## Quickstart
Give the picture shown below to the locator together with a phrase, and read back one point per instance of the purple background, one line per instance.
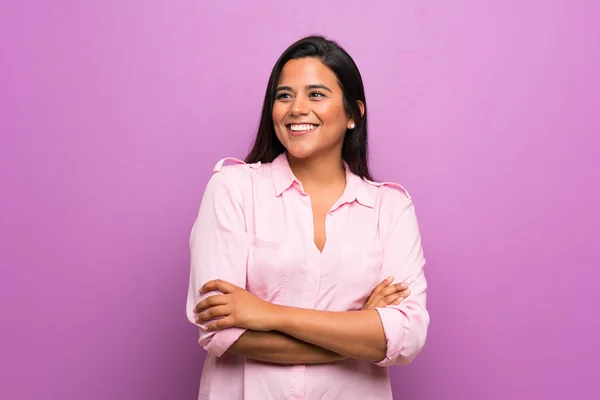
(112, 114)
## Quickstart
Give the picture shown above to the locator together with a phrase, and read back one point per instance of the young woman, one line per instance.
(290, 245)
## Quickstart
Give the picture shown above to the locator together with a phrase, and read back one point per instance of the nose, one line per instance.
(300, 106)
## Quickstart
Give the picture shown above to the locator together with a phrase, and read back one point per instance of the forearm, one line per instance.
(279, 348)
(354, 334)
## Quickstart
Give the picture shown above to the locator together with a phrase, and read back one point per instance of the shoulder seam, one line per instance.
(233, 186)
(392, 185)
(219, 165)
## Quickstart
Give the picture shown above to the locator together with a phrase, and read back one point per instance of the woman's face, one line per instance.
(308, 112)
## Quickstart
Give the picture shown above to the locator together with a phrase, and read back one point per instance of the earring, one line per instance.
(352, 126)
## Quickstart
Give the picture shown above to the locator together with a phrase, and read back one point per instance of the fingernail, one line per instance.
(407, 293)
(389, 278)
(397, 301)
(404, 285)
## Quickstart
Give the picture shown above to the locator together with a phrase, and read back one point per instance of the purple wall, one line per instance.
(112, 114)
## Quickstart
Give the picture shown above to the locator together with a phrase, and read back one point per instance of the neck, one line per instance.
(318, 170)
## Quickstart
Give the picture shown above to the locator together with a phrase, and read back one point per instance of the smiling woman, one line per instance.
(310, 119)
(307, 277)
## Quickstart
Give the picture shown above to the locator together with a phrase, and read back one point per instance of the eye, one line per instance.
(283, 96)
(317, 94)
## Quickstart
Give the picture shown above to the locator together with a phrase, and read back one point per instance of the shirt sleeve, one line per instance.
(405, 325)
(218, 248)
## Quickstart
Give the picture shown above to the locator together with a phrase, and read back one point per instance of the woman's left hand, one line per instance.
(235, 307)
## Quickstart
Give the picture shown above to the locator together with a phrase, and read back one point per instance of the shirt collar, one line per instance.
(283, 177)
(356, 188)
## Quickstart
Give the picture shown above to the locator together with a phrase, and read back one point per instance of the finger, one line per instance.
(227, 322)
(397, 298)
(398, 287)
(210, 301)
(382, 285)
(392, 299)
(375, 295)
(386, 301)
(212, 313)
(218, 284)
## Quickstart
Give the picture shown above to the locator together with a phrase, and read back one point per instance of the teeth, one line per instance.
(303, 127)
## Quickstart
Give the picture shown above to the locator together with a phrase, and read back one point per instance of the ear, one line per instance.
(361, 105)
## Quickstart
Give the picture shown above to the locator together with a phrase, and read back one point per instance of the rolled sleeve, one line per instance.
(405, 325)
(393, 327)
(220, 341)
(218, 250)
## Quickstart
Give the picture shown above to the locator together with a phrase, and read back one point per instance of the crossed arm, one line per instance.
(309, 344)
(248, 326)
(284, 335)
(278, 348)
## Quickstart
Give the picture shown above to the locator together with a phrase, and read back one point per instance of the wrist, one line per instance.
(277, 320)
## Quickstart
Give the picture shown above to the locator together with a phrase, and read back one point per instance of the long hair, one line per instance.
(354, 149)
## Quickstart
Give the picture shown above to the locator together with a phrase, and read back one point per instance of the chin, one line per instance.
(299, 153)
(299, 148)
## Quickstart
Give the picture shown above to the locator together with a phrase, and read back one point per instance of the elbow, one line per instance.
(411, 350)
(216, 343)
(406, 358)
(403, 361)
(405, 341)
(414, 342)
(204, 337)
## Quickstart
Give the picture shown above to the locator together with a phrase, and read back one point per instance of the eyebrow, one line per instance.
(308, 87)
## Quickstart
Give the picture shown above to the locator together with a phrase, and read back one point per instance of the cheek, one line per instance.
(331, 113)
(334, 117)
(278, 113)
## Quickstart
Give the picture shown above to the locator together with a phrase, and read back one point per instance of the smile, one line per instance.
(301, 129)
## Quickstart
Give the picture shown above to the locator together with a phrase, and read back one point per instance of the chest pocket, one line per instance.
(270, 264)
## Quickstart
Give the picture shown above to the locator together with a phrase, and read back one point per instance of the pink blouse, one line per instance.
(255, 230)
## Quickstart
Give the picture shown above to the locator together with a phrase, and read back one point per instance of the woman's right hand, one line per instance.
(384, 295)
